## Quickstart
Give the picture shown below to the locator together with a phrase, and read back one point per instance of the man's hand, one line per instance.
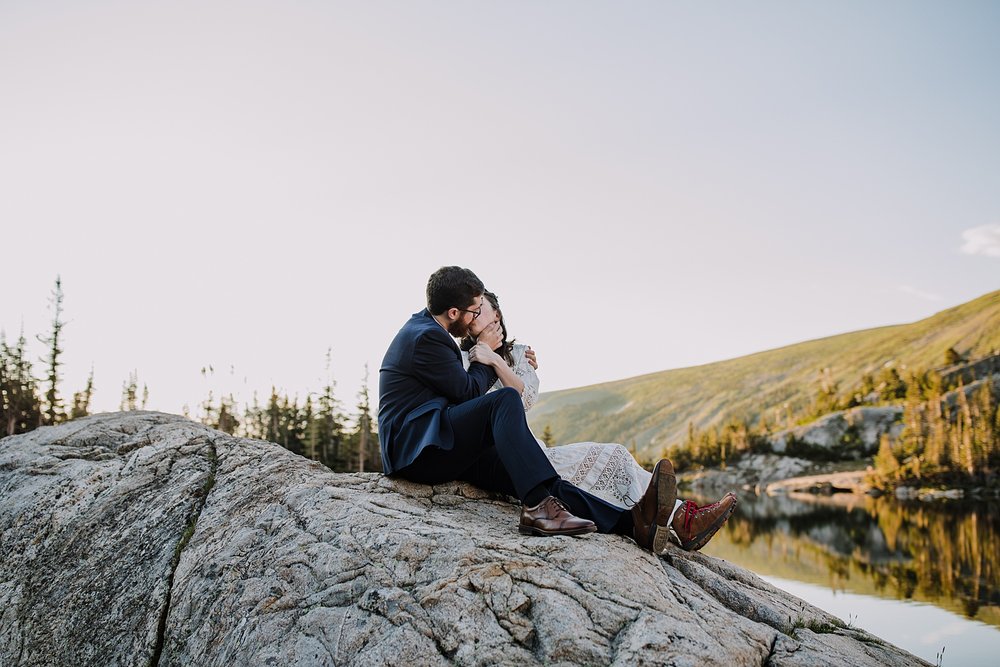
(482, 353)
(531, 357)
(491, 336)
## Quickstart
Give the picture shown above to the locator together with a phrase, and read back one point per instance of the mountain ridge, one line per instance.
(652, 411)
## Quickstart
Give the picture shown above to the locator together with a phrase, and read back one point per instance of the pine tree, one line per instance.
(738, 436)
(967, 454)
(994, 455)
(288, 425)
(3, 385)
(913, 420)
(826, 395)
(296, 426)
(311, 430)
(130, 393)
(890, 385)
(6, 386)
(272, 431)
(886, 463)
(365, 439)
(330, 429)
(759, 434)
(952, 357)
(224, 417)
(81, 399)
(21, 406)
(547, 437)
(281, 421)
(984, 440)
(867, 386)
(723, 445)
(955, 440)
(329, 424)
(255, 422)
(712, 449)
(54, 412)
(936, 441)
(229, 421)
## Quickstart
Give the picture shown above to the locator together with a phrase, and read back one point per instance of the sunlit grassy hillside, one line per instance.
(653, 411)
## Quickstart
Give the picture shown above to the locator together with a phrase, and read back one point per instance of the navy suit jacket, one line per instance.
(421, 375)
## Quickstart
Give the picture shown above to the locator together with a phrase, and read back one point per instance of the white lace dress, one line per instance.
(607, 470)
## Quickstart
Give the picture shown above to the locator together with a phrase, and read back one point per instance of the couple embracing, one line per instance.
(450, 411)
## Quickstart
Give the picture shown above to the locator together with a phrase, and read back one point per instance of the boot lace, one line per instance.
(690, 509)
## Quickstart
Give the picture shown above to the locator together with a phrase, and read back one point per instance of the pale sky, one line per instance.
(646, 185)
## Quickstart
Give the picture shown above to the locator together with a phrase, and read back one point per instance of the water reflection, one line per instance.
(944, 554)
(934, 634)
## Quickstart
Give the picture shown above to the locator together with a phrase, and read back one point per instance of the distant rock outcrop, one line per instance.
(144, 538)
(751, 472)
(857, 431)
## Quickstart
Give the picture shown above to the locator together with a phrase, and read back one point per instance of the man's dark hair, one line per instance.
(452, 287)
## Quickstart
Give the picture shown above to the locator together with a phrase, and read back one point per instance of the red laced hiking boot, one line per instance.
(694, 526)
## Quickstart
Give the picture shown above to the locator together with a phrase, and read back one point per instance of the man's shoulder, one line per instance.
(416, 322)
(422, 320)
(422, 327)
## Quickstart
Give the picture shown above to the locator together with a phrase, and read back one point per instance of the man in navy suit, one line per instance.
(437, 423)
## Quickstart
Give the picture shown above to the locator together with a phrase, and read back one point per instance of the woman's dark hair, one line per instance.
(506, 346)
(452, 287)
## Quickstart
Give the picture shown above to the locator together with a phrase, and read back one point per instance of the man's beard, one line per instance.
(459, 329)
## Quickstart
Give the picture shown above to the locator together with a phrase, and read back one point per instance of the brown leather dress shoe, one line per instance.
(694, 526)
(552, 517)
(651, 515)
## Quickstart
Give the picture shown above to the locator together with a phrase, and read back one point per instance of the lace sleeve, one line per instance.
(527, 374)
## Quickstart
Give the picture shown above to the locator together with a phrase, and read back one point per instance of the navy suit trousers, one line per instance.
(495, 450)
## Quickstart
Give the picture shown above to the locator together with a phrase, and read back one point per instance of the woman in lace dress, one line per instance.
(607, 470)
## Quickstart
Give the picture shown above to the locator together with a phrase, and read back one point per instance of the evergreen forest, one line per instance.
(950, 416)
(950, 435)
(317, 428)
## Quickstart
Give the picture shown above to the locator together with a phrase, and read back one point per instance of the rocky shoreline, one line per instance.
(774, 474)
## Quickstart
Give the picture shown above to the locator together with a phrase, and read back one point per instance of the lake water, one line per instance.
(925, 577)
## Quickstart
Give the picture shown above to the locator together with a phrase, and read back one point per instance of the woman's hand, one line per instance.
(532, 358)
(491, 336)
(482, 354)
